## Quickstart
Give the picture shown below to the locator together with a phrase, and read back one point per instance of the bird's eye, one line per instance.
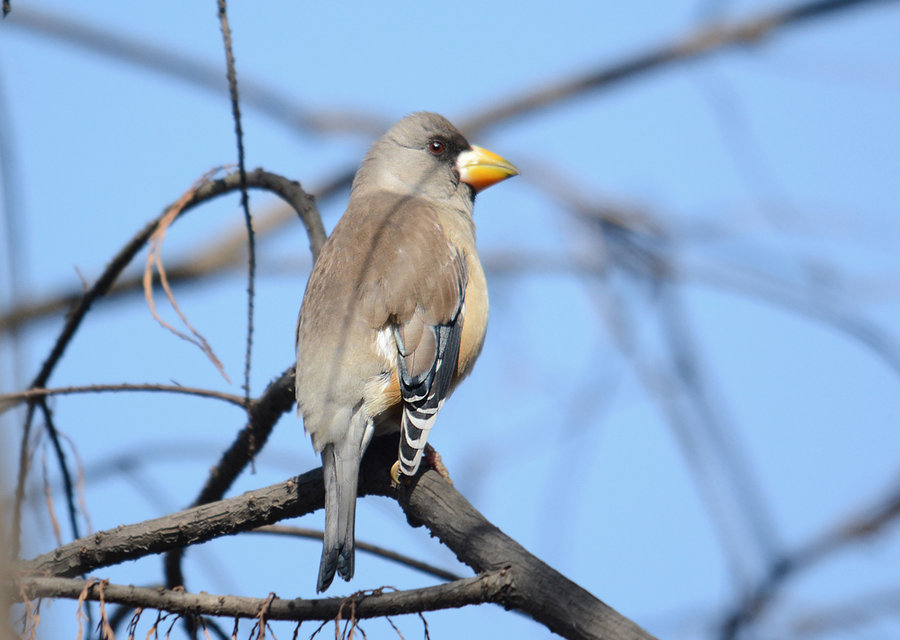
(436, 147)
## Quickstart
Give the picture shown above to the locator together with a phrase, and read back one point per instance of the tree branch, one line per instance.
(295, 497)
(488, 587)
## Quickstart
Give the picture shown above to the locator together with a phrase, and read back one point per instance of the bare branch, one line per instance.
(290, 191)
(295, 497)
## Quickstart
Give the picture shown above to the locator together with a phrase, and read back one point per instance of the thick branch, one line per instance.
(533, 587)
(295, 497)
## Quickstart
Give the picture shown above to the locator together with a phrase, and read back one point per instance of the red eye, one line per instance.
(436, 147)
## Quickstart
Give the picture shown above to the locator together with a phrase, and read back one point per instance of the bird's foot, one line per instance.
(433, 459)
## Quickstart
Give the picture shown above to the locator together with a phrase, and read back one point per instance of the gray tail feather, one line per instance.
(341, 476)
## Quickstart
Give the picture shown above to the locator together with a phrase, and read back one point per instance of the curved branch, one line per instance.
(288, 190)
(222, 254)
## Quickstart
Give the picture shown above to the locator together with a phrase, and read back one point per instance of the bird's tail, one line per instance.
(341, 469)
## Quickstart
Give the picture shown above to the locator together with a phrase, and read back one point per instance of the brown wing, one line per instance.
(416, 286)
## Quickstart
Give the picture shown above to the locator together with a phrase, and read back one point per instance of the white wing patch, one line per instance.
(387, 346)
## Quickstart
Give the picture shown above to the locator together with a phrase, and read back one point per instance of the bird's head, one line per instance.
(425, 155)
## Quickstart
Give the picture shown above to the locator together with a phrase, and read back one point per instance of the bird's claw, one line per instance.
(431, 457)
(395, 475)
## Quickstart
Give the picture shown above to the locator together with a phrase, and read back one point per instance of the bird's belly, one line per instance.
(476, 318)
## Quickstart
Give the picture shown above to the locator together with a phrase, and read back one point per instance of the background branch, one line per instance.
(703, 41)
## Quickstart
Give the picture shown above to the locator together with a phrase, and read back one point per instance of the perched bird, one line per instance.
(395, 310)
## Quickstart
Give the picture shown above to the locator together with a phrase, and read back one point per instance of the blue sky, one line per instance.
(771, 169)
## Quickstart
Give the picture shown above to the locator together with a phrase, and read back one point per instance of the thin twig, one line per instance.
(154, 258)
(9, 400)
(316, 534)
(68, 485)
(245, 197)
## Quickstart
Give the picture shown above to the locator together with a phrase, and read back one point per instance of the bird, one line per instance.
(394, 313)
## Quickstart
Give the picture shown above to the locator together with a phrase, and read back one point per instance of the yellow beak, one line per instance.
(481, 168)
